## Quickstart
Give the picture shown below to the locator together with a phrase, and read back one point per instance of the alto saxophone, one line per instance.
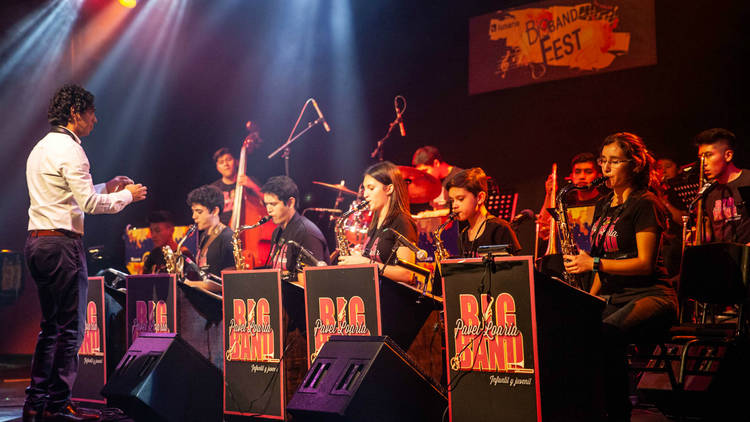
(567, 243)
(173, 259)
(342, 244)
(441, 253)
(170, 260)
(239, 259)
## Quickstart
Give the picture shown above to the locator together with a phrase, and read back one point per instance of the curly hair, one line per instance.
(283, 187)
(208, 196)
(642, 163)
(473, 180)
(69, 96)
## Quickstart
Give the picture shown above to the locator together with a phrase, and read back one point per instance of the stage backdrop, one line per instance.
(559, 39)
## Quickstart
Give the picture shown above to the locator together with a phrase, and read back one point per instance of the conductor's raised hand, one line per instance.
(138, 191)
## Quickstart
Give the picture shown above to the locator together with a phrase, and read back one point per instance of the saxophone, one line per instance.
(170, 260)
(342, 244)
(239, 259)
(173, 259)
(441, 253)
(567, 243)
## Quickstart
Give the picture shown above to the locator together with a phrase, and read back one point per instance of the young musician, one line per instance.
(628, 224)
(280, 196)
(583, 171)
(725, 207)
(385, 190)
(161, 226)
(227, 167)
(467, 191)
(429, 160)
(214, 238)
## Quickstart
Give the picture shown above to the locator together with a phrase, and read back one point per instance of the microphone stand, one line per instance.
(285, 148)
(379, 148)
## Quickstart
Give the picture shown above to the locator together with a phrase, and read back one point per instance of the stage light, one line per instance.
(128, 3)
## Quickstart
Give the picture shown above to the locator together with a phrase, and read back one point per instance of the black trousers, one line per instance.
(58, 267)
(642, 320)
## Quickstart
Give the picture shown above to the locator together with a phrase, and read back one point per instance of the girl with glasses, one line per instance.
(625, 237)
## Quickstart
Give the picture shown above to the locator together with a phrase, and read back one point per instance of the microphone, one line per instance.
(260, 222)
(687, 168)
(198, 270)
(523, 215)
(307, 254)
(400, 238)
(704, 190)
(400, 120)
(598, 181)
(320, 115)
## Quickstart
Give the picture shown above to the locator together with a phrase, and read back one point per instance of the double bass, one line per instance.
(248, 209)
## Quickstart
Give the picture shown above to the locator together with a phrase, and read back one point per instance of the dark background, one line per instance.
(173, 90)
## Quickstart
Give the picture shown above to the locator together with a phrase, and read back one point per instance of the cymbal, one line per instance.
(422, 186)
(340, 188)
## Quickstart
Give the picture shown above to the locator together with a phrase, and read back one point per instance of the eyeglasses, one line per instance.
(616, 162)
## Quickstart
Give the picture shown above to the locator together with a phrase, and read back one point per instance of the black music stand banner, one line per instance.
(342, 301)
(491, 341)
(151, 305)
(92, 356)
(253, 344)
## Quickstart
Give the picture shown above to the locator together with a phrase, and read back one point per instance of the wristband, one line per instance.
(381, 270)
(597, 261)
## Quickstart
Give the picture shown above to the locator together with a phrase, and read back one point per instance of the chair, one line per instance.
(700, 358)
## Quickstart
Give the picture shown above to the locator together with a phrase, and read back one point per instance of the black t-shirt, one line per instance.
(728, 213)
(613, 236)
(496, 231)
(379, 245)
(219, 255)
(228, 191)
(302, 231)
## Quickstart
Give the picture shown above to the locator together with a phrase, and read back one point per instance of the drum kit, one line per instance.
(421, 186)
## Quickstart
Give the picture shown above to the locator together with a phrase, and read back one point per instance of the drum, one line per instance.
(356, 225)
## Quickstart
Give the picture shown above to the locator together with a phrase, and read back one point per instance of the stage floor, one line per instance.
(14, 377)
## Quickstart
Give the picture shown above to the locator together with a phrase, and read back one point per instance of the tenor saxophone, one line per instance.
(342, 244)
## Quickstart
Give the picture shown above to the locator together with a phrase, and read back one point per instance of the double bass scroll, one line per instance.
(248, 209)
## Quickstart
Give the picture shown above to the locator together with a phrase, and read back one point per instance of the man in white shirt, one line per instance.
(60, 192)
